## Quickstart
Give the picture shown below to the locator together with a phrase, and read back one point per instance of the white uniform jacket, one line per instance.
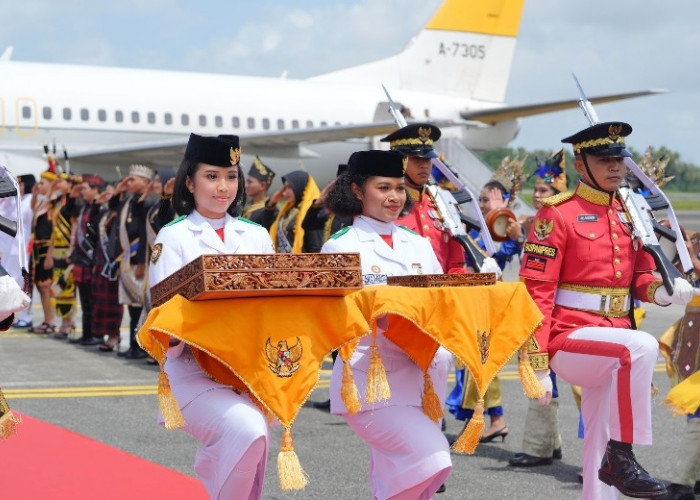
(180, 243)
(411, 254)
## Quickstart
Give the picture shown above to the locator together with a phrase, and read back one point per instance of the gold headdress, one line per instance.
(510, 175)
(655, 169)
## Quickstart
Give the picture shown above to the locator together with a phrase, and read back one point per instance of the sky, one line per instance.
(612, 47)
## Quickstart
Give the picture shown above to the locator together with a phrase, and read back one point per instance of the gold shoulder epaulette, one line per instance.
(557, 199)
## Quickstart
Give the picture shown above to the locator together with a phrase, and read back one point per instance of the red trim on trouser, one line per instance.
(608, 350)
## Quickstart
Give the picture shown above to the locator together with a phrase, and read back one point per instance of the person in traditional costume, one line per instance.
(409, 455)
(257, 182)
(209, 197)
(583, 265)
(299, 189)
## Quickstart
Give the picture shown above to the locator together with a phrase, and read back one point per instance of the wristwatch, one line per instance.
(521, 239)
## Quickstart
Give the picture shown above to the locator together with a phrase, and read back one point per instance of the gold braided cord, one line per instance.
(412, 141)
(602, 141)
(593, 195)
(596, 290)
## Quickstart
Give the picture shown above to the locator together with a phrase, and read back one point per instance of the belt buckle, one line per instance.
(617, 304)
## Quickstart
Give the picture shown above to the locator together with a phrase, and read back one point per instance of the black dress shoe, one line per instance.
(323, 405)
(680, 492)
(441, 489)
(135, 354)
(556, 454)
(525, 460)
(621, 470)
(90, 341)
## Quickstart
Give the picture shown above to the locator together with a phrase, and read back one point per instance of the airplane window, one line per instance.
(185, 119)
(218, 121)
(67, 115)
(309, 124)
(84, 114)
(280, 124)
(251, 122)
(336, 124)
(118, 116)
(46, 111)
(26, 112)
(102, 115)
(202, 121)
(168, 118)
(266, 123)
(324, 124)
(236, 122)
(151, 117)
(295, 123)
(135, 117)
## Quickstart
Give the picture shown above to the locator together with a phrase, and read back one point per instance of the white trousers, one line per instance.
(614, 367)
(406, 449)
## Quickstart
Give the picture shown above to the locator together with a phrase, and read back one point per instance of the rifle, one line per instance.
(10, 188)
(448, 207)
(645, 225)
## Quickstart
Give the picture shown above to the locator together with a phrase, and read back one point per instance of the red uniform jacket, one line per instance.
(584, 238)
(425, 220)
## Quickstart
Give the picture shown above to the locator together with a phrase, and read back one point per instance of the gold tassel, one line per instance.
(289, 472)
(172, 416)
(471, 435)
(8, 424)
(431, 401)
(377, 384)
(532, 386)
(348, 390)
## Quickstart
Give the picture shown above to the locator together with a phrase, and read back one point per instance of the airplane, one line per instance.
(455, 71)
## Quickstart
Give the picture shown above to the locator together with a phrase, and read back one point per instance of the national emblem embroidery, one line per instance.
(483, 340)
(156, 252)
(283, 359)
(543, 228)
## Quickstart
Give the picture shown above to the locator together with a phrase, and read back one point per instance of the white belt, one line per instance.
(613, 305)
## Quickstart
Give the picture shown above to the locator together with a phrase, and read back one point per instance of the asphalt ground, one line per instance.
(113, 400)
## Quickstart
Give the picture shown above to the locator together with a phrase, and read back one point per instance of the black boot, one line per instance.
(621, 470)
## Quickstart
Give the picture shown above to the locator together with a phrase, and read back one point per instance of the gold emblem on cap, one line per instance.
(235, 156)
(405, 164)
(424, 133)
(259, 165)
(614, 131)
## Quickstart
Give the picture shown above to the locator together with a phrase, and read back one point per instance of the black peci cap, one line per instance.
(416, 139)
(375, 162)
(602, 139)
(260, 171)
(221, 151)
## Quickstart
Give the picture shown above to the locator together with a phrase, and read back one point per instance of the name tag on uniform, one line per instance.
(588, 218)
(374, 279)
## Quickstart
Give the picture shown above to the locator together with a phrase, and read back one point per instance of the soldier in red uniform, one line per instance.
(583, 267)
(416, 142)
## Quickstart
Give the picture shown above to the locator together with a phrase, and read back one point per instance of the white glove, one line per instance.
(546, 381)
(12, 298)
(683, 293)
(491, 266)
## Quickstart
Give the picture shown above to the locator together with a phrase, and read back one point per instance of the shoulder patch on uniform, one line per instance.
(555, 200)
(338, 234)
(248, 221)
(409, 230)
(173, 222)
(156, 252)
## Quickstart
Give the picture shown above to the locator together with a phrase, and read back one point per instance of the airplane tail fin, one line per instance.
(465, 50)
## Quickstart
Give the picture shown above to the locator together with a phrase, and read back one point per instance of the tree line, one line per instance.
(687, 175)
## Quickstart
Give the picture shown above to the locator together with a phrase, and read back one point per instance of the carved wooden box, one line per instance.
(222, 276)
(433, 280)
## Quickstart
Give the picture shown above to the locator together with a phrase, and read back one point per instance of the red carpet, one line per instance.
(43, 461)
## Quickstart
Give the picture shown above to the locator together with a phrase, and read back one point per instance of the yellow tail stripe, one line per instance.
(490, 17)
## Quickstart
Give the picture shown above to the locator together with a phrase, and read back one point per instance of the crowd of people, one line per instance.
(580, 261)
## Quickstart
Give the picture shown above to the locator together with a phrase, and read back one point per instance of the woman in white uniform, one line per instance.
(209, 195)
(410, 460)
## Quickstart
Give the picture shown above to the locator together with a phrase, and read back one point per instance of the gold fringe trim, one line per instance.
(172, 416)
(289, 472)
(348, 390)
(532, 387)
(431, 401)
(8, 424)
(377, 384)
(471, 435)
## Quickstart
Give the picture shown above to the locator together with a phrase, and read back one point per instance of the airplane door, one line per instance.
(26, 117)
